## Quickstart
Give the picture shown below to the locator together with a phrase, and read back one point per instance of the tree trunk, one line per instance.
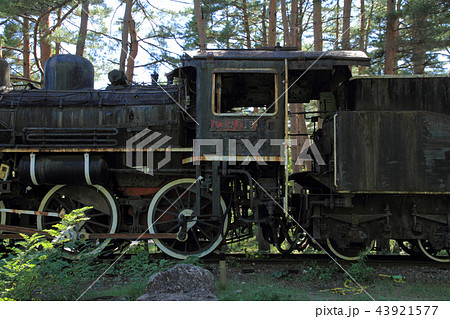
(246, 25)
(346, 25)
(58, 43)
(317, 24)
(201, 26)
(227, 39)
(389, 63)
(418, 41)
(300, 29)
(263, 24)
(362, 31)
(133, 51)
(46, 49)
(369, 20)
(272, 38)
(26, 48)
(294, 23)
(284, 19)
(125, 28)
(396, 34)
(336, 31)
(81, 42)
(362, 28)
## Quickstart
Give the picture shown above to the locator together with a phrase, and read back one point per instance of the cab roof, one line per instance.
(340, 57)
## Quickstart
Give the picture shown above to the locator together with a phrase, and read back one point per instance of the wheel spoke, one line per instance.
(208, 224)
(173, 228)
(64, 203)
(88, 227)
(205, 234)
(97, 223)
(195, 237)
(172, 203)
(72, 203)
(179, 198)
(165, 222)
(165, 211)
(96, 215)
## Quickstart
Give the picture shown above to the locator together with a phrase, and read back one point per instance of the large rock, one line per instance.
(181, 283)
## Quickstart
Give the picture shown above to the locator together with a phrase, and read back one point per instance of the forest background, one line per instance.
(141, 37)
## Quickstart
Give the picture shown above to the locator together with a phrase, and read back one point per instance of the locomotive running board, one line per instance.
(29, 212)
(17, 230)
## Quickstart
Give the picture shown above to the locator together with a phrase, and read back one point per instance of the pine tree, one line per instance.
(317, 21)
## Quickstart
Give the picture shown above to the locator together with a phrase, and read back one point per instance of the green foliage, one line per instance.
(280, 273)
(192, 260)
(36, 270)
(233, 263)
(138, 267)
(360, 272)
(315, 271)
(424, 27)
(18, 273)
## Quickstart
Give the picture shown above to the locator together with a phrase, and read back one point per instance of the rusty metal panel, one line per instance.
(233, 125)
(399, 93)
(87, 117)
(393, 152)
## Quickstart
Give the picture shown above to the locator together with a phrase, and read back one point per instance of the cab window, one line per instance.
(245, 93)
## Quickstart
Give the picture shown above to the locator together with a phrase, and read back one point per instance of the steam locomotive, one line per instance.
(197, 162)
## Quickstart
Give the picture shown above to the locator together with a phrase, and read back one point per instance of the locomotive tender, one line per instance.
(197, 162)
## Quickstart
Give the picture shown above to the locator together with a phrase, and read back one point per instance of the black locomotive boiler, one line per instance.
(197, 162)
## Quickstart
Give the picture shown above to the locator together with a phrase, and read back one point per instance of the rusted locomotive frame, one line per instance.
(93, 150)
(132, 236)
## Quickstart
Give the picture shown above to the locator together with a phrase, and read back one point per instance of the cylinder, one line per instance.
(76, 169)
(5, 77)
(68, 72)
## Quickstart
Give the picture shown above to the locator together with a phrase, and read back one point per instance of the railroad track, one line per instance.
(319, 258)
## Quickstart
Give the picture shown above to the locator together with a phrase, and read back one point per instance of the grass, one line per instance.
(311, 281)
(128, 292)
(264, 288)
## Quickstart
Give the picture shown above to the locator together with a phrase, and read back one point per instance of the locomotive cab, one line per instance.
(242, 137)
